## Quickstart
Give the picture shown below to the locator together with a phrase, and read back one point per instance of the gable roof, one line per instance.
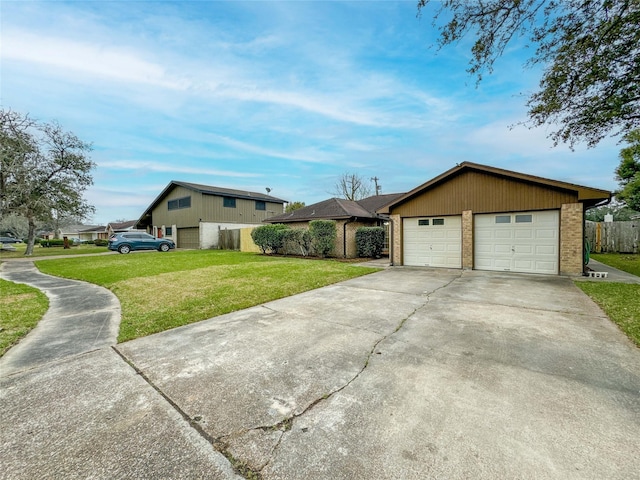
(122, 225)
(208, 190)
(589, 196)
(336, 209)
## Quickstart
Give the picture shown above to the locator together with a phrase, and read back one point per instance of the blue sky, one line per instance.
(287, 95)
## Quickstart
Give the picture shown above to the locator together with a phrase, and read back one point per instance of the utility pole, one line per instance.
(378, 187)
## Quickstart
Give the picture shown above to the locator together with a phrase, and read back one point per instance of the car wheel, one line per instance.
(124, 248)
(164, 247)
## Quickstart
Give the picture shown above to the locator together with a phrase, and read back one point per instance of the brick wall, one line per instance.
(571, 239)
(467, 239)
(395, 229)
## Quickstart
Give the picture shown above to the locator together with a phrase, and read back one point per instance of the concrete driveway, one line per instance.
(402, 374)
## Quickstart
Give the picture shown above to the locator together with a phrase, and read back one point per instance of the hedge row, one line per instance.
(317, 240)
(369, 242)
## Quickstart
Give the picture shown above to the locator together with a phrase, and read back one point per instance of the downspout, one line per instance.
(344, 235)
(391, 242)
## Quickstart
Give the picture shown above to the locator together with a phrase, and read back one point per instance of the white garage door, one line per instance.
(433, 241)
(517, 242)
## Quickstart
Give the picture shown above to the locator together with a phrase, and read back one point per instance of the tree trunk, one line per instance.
(31, 236)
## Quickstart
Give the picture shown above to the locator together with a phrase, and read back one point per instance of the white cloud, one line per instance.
(171, 168)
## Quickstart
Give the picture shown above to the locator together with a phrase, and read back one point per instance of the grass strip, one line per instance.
(21, 308)
(621, 303)
(39, 251)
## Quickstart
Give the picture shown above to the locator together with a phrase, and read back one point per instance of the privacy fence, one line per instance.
(613, 237)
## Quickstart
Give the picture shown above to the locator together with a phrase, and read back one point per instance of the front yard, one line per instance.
(620, 301)
(162, 291)
(21, 308)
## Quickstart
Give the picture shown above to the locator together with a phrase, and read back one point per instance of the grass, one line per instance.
(21, 307)
(627, 262)
(621, 303)
(162, 291)
(39, 251)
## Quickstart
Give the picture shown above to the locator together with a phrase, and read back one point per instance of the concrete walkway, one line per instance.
(81, 317)
(613, 274)
(407, 373)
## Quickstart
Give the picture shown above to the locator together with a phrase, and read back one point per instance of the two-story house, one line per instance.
(192, 215)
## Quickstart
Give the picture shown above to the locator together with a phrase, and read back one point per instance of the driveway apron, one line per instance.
(81, 317)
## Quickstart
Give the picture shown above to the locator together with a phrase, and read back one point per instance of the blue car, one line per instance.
(126, 242)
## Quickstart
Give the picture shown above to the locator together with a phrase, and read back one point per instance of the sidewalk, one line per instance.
(81, 317)
(613, 274)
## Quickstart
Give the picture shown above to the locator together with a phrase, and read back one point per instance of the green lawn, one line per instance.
(21, 307)
(621, 303)
(159, 291)
(627, 262)
(39, 251)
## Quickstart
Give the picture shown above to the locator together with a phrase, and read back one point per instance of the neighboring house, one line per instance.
(486, 218)
(85, 233)
(349, 215)
(192, 215)
(120, 227)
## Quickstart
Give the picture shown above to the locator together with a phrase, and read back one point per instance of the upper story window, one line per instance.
(184, 202)
(261, 205)
(229, 202)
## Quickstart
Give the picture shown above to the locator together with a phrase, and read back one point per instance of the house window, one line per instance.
(261, 205)
(184, 202)
(229, 202)
(503, 218)
(523, 218)
(438, 221)
(168, 231)
(423, 222)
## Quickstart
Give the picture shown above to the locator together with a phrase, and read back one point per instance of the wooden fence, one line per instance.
(613, 237)
(238, 239)
(229, 239)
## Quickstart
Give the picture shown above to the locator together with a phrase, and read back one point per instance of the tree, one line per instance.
(352, 187)
(43, 172)
(628, 172)
(293, 206)
(619, 210)
(590, 49)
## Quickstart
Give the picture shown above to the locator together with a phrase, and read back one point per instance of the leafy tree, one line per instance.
(590, 49)
(293, 206)
(620, 212)
(352, 187)
(628, 172)
(43, 172)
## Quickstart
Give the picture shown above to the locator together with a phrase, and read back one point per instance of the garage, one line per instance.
(524, 242)
(433, 241)
(189, 237)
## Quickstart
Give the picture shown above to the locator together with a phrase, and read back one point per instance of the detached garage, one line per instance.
(486, 218)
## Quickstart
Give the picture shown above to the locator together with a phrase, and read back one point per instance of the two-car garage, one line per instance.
(517, 242)
(479, 217)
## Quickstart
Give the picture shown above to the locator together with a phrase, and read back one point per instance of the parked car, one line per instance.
(9, 240)
(126, 242)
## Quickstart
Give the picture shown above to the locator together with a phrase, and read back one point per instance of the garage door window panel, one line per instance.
(503, 218)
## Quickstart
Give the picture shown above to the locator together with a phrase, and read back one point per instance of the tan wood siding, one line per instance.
(483, 193)
(210, 208)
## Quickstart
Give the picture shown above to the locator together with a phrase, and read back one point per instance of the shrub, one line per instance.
(323, 236)
(370, 241)
(297, 241)
(270, 238)
(100, 242)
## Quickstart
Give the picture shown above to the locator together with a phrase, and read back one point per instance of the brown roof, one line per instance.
(336, 209)
(588, 195)
(122, 225)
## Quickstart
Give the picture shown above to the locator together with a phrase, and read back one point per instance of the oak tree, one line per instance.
(590, 51)
(44, 171)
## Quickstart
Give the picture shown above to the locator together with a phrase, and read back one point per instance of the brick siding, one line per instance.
(571, 239)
